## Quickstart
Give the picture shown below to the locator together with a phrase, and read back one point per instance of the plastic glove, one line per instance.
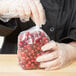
(60, 54)
(23, 9)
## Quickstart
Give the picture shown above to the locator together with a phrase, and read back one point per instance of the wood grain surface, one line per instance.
(9, 67)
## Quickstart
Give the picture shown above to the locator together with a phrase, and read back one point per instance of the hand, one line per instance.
(24, 9)
(60, 54)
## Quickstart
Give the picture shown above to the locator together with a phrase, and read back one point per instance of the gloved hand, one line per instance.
(60, 54)
(23, 9)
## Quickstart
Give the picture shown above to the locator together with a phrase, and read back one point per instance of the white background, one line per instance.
(1, 41)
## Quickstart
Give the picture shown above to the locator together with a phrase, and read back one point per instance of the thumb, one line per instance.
(52, 45)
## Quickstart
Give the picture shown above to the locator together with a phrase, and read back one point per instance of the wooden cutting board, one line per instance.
(9, 67)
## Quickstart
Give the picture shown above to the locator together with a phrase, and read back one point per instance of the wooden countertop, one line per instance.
(9, 67)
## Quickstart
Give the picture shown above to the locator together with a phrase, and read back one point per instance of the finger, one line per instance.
(12, 9)
(12, 12)
(52, 45)
(47, 57)
(3, 10)
(54, 68)
(27, 9)
(35, 14)
(41, 11)
(50, 64)
(21, 13)
(26, 18)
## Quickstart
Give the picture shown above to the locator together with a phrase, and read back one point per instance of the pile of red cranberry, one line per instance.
(29, 48)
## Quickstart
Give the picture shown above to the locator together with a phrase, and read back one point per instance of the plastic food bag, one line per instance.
(29, 47)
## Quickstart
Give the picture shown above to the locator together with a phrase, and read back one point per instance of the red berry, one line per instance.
(25, 46)
(27, 65)
(35, 43)
(38, 54)
(23, 66)
(39, 32)
(42, 34)
(31, 57)
(42, 53)
(28, 45)
(20, 44)
(35, 57)
(47, 38)
(32, 65)
(23, 58)
(27, 58)
(38, 44)
(22, 49)
(26, 42)
(32, 60)
(29, 53)
(22, 53)
(20, 37)
(33, 51)
(43, 38)
(40, 37)
(29, 48)
(36, 62)
(36, 39)
(46, 41)
(26, 38)
(32, 40)
(47, 51)
(29, 62)
(38, 48)
(27, 33)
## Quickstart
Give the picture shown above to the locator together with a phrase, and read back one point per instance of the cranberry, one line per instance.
(42, 34)
(38, 48)
(32, 60)
(29, 48)
(23, 66)
(29, 62)
(27, 58)
(38, 54)
(25, 46)
(36, 39)
(27, 65)
(29, 53)
(33, 51)
(35, 43)
(23, 58)
(46, 41)
(32, 65)
(22, 53)
(44, 38)
(27, 33)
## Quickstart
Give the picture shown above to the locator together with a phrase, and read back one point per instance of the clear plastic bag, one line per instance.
(29, 47)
